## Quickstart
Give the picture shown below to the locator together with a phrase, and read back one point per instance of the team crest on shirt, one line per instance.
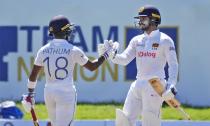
(155, 46)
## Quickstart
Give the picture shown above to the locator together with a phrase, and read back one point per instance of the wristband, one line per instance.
(31, 84)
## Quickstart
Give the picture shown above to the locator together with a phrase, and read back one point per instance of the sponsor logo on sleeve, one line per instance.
(172, 48)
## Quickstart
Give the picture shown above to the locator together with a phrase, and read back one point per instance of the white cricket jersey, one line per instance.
(152, 52)
(59, 58)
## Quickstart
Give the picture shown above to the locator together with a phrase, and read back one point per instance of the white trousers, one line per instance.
(61, 105)
(143, 100)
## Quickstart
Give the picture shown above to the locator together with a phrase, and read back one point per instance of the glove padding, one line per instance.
(101, 49)
(108, 49)
(106, 46)
(169, 93)
(112, 53)
(28, 102)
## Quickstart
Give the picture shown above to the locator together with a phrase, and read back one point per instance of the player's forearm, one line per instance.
(121, 59)
(173, 73)
(125, 57)
(34, 73)
(93, 65)
(172, 63)
(33, 77)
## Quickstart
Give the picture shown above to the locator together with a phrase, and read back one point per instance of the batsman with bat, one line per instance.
(58, 58)
(152, 50)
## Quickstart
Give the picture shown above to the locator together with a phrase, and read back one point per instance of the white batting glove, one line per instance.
(112, 53)
(101, 49)
(108, 49)
(169, 93)
(108, 44)
(28, 102)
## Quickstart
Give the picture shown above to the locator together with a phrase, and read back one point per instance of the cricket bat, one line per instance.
(33, 114)
(35, 120)
(174, 103)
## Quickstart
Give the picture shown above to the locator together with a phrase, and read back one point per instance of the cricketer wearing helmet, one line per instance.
(152, 50)
(58, 58)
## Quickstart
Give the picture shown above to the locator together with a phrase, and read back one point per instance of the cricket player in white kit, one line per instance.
(152, 50)
(58, 59)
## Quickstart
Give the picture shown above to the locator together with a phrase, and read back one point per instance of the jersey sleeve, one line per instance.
(171, 57)
(127, 55)
(39, 58)
(80, 57)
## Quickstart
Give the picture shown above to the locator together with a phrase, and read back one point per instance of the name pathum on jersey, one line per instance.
(58, 58)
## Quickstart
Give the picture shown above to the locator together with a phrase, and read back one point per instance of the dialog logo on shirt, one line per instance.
(146, 54)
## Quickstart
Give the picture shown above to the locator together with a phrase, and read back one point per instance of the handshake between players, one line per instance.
(140, 98)
(108, 47)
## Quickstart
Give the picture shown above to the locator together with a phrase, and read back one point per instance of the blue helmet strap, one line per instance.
(153, 21)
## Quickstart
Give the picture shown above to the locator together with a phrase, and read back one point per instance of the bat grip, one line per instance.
(33, 114)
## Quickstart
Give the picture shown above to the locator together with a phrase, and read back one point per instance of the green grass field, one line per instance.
(107, 111)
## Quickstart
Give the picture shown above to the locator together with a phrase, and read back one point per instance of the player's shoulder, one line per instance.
(76, 49)
(137, 39)
(66, 44)
(165, 39)
(44, 47)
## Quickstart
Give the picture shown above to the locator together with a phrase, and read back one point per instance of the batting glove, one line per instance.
(103, 48)
(108, 49)
(113, 52)
(28, 101)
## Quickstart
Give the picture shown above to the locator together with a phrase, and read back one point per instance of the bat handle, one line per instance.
(33, 114)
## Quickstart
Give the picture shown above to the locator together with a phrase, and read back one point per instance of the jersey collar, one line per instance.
(59, 40)
(153, 34)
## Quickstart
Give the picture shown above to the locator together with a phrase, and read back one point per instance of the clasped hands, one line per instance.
(108, 49)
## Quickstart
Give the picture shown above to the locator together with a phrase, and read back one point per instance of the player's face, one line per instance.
(144, 22)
